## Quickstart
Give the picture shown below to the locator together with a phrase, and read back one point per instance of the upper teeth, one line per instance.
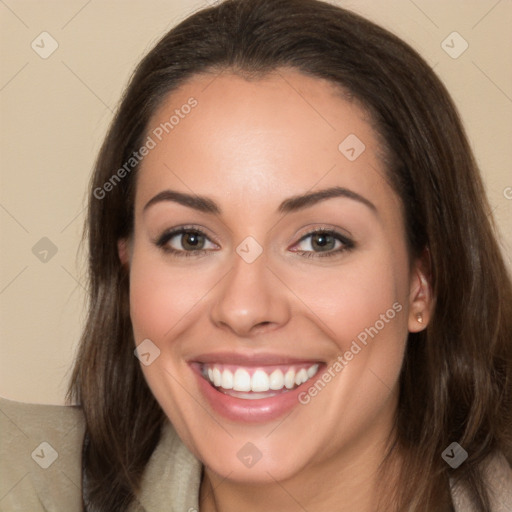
(260, 380)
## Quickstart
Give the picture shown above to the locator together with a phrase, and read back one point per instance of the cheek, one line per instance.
(161, 296)
(164, 303)
(361, 307)
(365, 294)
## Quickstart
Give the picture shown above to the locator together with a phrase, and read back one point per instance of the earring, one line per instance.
(419, 317)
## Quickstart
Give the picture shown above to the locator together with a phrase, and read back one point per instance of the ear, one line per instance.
(124, 252)
(421, 299)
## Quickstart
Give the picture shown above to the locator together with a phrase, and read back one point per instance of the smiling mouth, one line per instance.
(257, 382)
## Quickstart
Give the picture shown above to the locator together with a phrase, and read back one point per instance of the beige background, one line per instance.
(55, 112)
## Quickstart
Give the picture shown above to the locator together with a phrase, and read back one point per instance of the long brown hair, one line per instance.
(456, 381)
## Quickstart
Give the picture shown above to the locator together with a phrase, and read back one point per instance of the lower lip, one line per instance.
(251, 411)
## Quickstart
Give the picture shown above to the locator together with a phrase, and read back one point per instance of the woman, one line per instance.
(297, 299)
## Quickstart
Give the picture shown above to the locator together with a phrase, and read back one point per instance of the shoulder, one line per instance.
(498, 476)
(40, 456)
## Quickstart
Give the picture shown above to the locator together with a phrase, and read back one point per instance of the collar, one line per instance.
(172, 476)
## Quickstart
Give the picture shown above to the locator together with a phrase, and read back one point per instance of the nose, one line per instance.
(251, 299)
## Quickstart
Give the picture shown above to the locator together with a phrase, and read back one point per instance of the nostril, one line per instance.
(262, 324)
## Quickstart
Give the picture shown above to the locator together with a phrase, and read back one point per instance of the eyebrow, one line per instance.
(292, 204)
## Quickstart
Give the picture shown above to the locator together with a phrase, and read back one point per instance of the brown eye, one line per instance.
(184, 242)
(324, 243)
(192, 240)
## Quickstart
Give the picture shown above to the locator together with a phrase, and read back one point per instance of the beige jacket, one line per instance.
(40, 466)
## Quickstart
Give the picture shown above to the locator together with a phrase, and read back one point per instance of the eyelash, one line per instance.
(161, 242)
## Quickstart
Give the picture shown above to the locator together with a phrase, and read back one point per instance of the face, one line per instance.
(297, 309)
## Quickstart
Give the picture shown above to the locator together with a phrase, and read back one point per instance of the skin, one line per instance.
(249, 145)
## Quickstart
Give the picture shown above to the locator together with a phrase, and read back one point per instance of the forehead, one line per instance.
(285, 133)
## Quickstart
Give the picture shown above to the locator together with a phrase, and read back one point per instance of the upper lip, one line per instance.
(250, 359)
